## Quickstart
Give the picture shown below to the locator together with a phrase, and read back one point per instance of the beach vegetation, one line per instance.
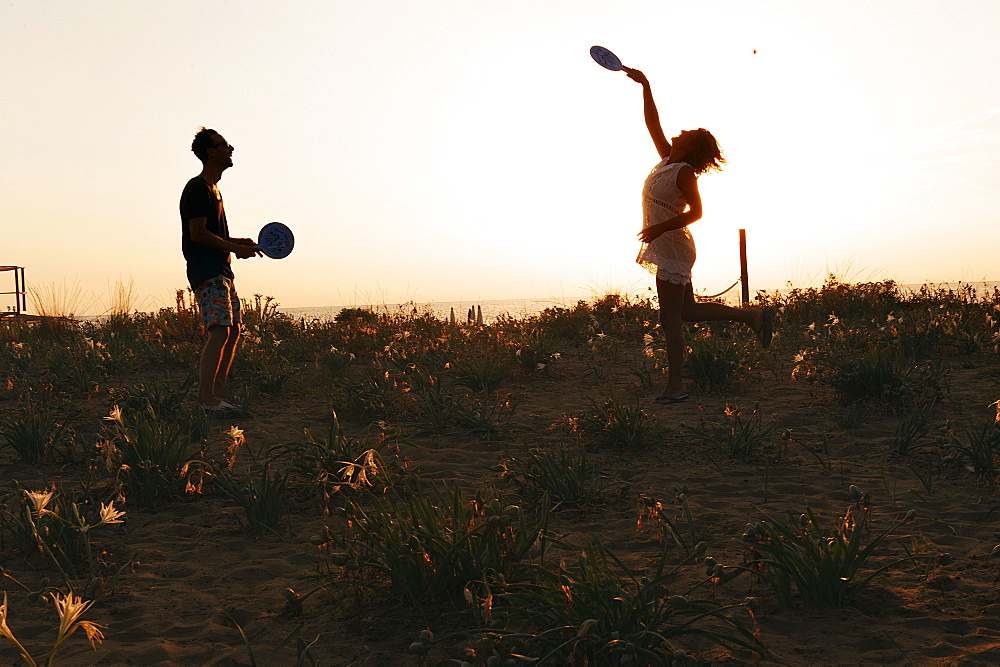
(484, 416)
(535, 353)
(323, 468)
(738, 433)
(434, 406)
(596, 610)
(617, 423)
(569, 478)
(978, 447)
(801, 558)
(262, 498)
(70, 609)
(679, 531)
(374, 394)
(852, 302)
(76, 367)
(36, 437)
(304, 654)
(59, 302)
(333, 363)
(59, 526)
(426, 407)
(162, 398)
(712, 362)
(913, 426)
(430, 546)
(481, 373)
(150, 455)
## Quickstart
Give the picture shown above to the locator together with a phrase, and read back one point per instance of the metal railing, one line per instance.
(20, 292)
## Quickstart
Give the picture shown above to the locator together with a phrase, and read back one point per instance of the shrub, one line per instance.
(153, 455)
(434, 544)
(262, 499)
(712, 362)
(326, 467)
(35, 436)
(617, 424)
(597, 611)
(979, 447)
(567, 479)
(737, 433)
(481, 373)
(821, 564)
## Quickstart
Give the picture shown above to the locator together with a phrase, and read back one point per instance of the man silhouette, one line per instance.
(207, 249)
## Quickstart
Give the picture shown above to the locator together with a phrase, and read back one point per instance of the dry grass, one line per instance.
(60, 299)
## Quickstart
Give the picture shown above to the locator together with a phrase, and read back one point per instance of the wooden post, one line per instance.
(744, 278)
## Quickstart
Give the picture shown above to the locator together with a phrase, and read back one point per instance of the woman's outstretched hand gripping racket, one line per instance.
(275, 240)
(606, 59)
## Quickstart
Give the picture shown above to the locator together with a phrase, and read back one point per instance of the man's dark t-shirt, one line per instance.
(203, 263)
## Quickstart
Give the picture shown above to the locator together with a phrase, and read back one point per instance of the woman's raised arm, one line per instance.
(650, 113)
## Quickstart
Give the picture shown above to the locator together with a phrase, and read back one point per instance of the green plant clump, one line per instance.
(599, 612)
(153, 455)
(617, 424)
(821, 564)
(569, 480)
(737, 434)
(712, 362)
(431, 546)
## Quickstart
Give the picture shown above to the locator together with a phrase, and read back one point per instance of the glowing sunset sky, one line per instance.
(462, 149)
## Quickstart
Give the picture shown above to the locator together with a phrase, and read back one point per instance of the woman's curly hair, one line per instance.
(704, 154)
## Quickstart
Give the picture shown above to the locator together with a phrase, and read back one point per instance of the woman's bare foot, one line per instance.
(664, 399)
(219, 407)
(672, 394)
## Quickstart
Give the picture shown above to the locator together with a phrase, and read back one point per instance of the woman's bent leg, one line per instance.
(692, 311)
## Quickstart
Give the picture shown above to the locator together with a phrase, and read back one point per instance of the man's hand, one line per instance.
(247, 248)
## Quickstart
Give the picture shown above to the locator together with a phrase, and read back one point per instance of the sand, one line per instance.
(196, 573)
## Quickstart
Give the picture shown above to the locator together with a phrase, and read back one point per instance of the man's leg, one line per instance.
(226, 362)
(220, 312)
(211, 360)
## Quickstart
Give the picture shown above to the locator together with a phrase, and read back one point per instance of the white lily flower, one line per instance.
(235, 434)
(109, 514)
(4, 630)
(70, 609)
(40, 499)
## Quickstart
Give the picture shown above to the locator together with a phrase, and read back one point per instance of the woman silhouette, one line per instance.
(671, 202)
